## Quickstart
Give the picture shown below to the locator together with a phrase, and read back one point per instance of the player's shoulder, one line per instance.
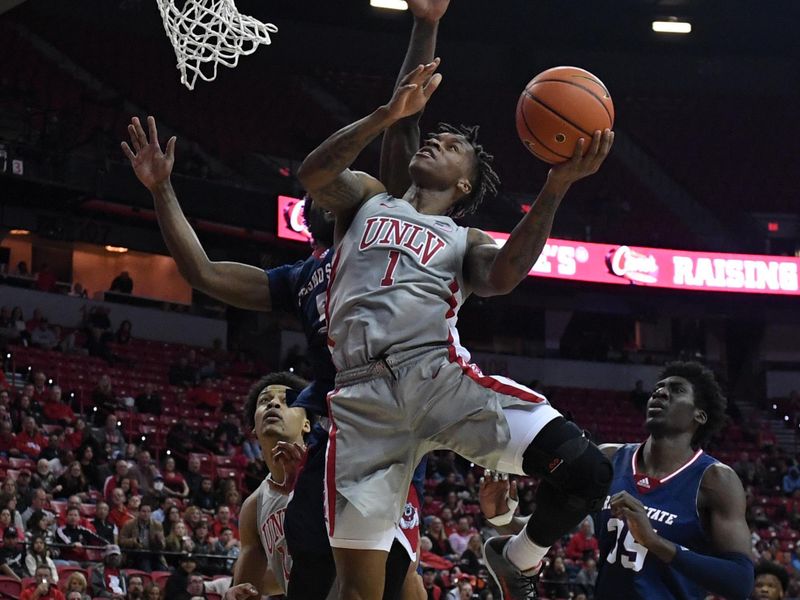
(610, 449)
(478, 237)
(720, 483)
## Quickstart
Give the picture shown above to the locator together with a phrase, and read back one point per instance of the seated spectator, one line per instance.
(791, 481)
(75, 536)
(33, 323)
(119, 514)
(176, 584)
(43, 587)
(194, 588)
(38, 557)
(204, 498)
(9, 501)
(45, 279)
(107, 579)
(8, 440)
(55, 410)
(202, 545)
(472, 558)
(223, 521)
(102, 526)
(462, 591)
(441, 544)
(586, 579)
(174, 482)
(178, 540)
(182, 373)
(17, 322)
(73, 482)
(30, 442)
(172, 516)
(147, 537)
(38, 503)
(433, 591)
(89, 466)
(22, 269)
(205, 396)
(153, 592)
(556, 580)
(43, 336)
(148, 402)
(228, 546)
(11, 555)
(461, 537)
(44, 477)
(192, 516)
(144, 472)
(75, 501)
(76, 582)
(429, 557)
(135, 588)
(53, 452)
(6, 524)
(583, 544)
(122, 284)
(110, 437)
(123, 335)
(40, 524)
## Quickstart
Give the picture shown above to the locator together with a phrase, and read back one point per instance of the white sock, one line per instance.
(523, 553)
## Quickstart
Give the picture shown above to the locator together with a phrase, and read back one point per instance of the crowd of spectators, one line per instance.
(80, 489)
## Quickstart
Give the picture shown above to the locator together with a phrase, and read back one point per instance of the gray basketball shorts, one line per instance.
(386, 415)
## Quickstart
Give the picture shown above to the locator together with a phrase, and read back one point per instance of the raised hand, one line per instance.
(243, 591)
(632, 511)
(580, 165)
(428, 10)
(292, 457)
(414, 91)
(494, 492)
(152, 166)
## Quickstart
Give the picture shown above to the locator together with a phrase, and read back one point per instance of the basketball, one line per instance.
(559, 106)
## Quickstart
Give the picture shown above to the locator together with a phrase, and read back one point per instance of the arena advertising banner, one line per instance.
(620, 264)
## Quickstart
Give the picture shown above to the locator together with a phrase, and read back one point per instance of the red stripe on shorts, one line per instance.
(330, 468)
(473, 372)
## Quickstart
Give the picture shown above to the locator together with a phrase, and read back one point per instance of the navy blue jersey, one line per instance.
(300, 288)
(625, 569)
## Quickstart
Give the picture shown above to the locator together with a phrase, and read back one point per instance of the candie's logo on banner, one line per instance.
(632, 265)
(617, 264)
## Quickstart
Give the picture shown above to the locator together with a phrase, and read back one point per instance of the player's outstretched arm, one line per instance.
(252, 565)
(401, 140)
(237, 284)
(326, 174)
(491, 271)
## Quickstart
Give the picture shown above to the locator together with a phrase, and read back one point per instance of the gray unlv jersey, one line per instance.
(271, 508)
(396, 282)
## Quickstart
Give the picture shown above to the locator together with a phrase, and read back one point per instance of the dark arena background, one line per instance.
(685, 245)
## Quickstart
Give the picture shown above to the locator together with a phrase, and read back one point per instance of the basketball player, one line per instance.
(674, 524)
(264, 561)
(404, 386)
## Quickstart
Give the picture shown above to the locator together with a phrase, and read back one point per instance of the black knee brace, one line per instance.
(565, 458)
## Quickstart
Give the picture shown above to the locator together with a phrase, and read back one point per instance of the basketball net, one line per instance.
(208, 33)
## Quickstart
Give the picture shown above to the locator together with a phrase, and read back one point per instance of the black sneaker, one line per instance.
(513, 584)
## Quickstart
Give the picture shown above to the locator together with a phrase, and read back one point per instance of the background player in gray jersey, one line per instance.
(450, 175)
(264, 561)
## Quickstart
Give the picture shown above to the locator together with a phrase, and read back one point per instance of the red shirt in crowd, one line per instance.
(119, 517)
(31, 445)
(580, 546)
(53, 594)
(57, 411)
(217, 527)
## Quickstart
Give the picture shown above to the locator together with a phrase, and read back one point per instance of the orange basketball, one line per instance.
(559, 106)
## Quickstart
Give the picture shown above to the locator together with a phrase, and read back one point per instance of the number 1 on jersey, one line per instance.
(388, 277)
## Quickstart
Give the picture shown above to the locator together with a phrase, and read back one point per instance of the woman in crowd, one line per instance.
(76, 582)
(73, 482)
(39, 555)
(174, 482)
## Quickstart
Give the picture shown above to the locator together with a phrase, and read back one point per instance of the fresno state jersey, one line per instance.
(625, 568)
(396, 282)
(270, 512)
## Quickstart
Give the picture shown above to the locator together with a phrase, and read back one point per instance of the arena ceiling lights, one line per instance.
(672, 25)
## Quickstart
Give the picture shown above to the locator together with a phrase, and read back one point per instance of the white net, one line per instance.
(208, 33)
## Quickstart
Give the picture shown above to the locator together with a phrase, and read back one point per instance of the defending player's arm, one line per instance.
(326, 174)
(401, 140)
(729, 572)
(237, 284)
(492, 271)
(499, 499)
(252, 565)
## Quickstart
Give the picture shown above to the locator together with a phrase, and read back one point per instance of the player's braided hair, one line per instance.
(290, 380)
(707, 396)
(485, 180)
